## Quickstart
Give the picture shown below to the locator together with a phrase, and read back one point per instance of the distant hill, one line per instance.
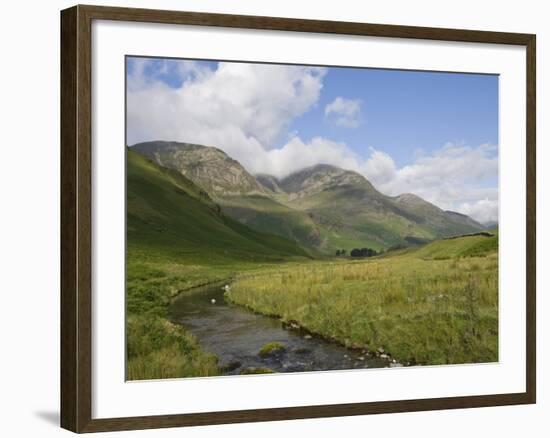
(465, 246)
(321, 177)
(351, 208)
(322, 207)
(168, 212)
(464, 219)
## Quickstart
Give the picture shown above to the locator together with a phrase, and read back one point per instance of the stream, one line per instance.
(236, 335)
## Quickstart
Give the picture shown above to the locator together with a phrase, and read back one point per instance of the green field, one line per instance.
(432, 304)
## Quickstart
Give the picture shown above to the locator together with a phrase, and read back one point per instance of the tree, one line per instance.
(363, 252)
(338, 252)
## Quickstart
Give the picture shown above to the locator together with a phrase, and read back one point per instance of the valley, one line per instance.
(197, 219)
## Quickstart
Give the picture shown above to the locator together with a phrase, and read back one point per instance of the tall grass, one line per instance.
(155, 347)
(158, 349)
(420, 310)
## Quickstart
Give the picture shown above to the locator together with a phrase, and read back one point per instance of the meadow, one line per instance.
(436, 304)
(156, 348)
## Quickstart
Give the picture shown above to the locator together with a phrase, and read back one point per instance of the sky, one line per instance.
(433, 134)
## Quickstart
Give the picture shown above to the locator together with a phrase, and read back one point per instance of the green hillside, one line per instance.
(352, 212)
(169, 214)
(352, 217)
(263, 213)
(466, 246)
(236, 191)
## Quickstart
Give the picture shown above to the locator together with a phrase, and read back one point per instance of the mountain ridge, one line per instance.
(210, 167)
(322, 207)
(168, 212)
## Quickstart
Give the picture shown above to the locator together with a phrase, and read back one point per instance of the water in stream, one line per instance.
(236, 335)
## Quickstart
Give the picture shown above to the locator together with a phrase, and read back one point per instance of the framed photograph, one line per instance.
(270, 218)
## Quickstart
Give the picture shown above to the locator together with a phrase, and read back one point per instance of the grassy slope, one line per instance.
(168, 212)
(467, 246)
(177, 238)
(342, 218)
(265, 214)
(352, 221)
(433, 305)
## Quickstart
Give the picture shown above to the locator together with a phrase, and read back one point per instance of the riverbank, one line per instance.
(434, 305)
(247, 342)
(157, 348)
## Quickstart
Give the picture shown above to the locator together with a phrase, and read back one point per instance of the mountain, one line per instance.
(168, 213)
(351, 209)
(209, 167)
(465, 220)
(269, 183)
(490, 225)
(446, 222)
(322, 207)
(321, 177)
(238, 193)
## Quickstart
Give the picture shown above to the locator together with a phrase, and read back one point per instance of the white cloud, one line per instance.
(296, 155)
(245, 109)
(379, 168)
(455, 177)
(344, 112)
(240, 108)
(484, 210)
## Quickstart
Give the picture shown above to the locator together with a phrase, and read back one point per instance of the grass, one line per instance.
(467, 246)
(155, 347)
(419, 306)
(256, 370)
(159, 349)
(271, 348)
(267, 215)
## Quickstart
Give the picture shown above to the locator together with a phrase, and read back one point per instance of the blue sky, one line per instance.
(432, 133)
(405, 111)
